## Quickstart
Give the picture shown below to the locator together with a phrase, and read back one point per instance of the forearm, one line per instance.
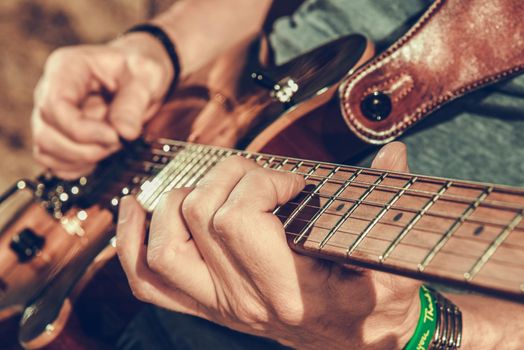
(490, 323)
(203, 29)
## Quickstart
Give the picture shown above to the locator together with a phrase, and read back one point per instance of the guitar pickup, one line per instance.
(26, 245)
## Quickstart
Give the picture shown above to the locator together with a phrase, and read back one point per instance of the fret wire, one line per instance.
(399, 259)
(274, 160)
(438, 246)
(413, 245)
(275, 164)
(487, 203)
(180, 165)
(326, 205)
(317, 189)
(448, 197)
(383, 211)
(412, 210)
(350, 211)
(445, 197)
(206, 163)
(267, 162)
(181, 177)
(217, 158)
(442, 215)
(412, 222)
(309, 197)
(461, 184)
(282, 163)
(173, 171)
(210, 164)
(305, 200)
(492, 248)
(161, 180)
(422, 229)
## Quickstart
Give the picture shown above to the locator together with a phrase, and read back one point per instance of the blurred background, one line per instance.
(30, 30)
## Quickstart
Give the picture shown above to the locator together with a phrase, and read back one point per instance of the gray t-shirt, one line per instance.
(476, 138)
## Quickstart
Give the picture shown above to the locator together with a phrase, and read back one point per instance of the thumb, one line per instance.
(392, 156)
(129, 108)
(130, 234)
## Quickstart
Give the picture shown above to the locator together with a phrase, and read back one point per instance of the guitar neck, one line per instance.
(455, 232)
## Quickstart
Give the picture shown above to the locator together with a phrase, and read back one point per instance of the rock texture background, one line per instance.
(31, 29)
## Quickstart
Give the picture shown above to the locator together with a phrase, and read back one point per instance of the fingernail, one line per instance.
(124, 211)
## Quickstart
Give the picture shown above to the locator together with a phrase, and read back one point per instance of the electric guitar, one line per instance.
(458, 233)
(56, 235)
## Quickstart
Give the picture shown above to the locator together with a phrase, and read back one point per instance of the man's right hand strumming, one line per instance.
(91, 95)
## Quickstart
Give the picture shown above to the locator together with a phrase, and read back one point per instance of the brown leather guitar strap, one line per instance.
(455, 47)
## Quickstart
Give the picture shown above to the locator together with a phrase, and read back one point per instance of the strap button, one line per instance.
(376, 106)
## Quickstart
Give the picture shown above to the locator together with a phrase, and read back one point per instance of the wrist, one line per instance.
(408, 324)
(498, 322)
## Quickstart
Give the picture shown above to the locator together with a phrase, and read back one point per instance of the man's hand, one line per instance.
(90, 95)
(218, 252)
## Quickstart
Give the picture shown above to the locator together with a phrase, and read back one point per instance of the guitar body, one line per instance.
(58, 266)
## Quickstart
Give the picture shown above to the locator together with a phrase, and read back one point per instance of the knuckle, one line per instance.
(194, 207)
(158, 259)
(261, 176)
(90, 156)
(59, 56)
(250, 312)
(139, 290)
(38, 135)
(75, 132)
(226, 219)
(290, 311)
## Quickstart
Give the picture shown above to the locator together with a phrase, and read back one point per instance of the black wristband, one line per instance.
(168, 45)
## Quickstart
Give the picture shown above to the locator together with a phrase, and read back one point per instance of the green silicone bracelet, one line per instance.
(427, 322)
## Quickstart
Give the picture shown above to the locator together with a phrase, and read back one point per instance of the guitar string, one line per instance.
(152, 199)
(166, 176)
(458, 237)
(425, 248)
(156, 183)
(422, 193)
(397, 225)
(174, 175)
(64, 260)
(400, 208)
(413, 210)
(495, 261)
(392, 259)
(404, 243)
(377, 172)
(166, 182)
(443, 215)
(440, 214)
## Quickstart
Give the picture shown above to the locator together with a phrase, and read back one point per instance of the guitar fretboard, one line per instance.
(431, 228)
